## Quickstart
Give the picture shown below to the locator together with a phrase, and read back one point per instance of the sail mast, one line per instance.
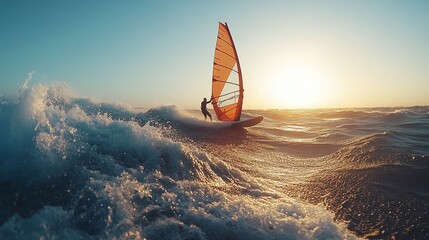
(240, 78)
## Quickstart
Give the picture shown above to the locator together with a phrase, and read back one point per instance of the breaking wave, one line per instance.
(73, 168)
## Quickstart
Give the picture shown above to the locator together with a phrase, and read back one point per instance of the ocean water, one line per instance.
(75, 168)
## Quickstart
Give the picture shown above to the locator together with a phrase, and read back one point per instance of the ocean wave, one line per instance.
(307, 150)
(375, 148)
(396, 116)
(373, 198)
(73, 168)
(344, 113)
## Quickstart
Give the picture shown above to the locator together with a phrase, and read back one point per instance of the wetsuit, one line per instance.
(204, 109)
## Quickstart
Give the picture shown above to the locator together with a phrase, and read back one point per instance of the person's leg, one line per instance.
(206, 113)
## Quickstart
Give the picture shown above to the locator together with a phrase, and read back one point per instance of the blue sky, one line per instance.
(293, 53)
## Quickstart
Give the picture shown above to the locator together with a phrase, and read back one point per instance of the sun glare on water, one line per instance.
(298, 86)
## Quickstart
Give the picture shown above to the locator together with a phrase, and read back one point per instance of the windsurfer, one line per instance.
(204, 108)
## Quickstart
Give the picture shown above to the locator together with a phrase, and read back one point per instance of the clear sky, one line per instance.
(294, 54)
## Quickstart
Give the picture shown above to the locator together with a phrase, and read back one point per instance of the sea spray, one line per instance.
(75, 168)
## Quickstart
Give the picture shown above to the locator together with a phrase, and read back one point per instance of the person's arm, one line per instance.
(211, 99)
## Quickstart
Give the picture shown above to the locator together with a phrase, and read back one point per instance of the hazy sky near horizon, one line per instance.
(293, 54)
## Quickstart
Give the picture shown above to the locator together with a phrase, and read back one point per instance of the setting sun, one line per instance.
(298, 86)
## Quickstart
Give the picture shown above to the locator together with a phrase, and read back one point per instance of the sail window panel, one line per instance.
(229, 90)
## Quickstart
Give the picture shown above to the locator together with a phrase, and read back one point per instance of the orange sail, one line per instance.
(227, 82)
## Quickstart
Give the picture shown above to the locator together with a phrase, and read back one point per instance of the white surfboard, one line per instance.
(247, 122)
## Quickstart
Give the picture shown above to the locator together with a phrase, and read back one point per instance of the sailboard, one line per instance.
(227, 82)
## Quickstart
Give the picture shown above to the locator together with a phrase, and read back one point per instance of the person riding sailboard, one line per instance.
(227, 82)
(204, 108)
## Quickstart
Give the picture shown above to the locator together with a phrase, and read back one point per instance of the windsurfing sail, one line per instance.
(227, 81)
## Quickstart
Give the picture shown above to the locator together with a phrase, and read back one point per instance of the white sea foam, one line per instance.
(113, 178)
